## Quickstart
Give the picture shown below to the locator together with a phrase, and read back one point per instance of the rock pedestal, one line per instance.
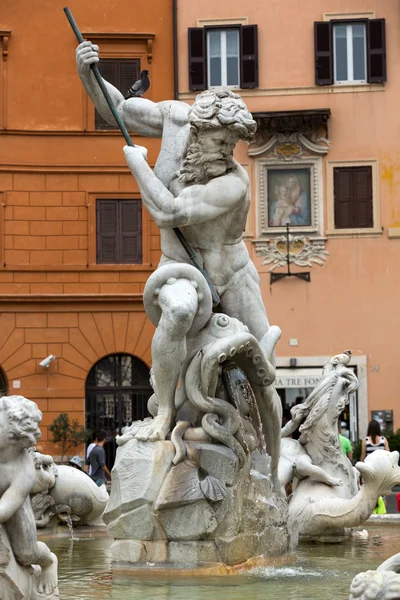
(204, 511)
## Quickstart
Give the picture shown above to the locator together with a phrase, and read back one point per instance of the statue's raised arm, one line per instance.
(140, 115)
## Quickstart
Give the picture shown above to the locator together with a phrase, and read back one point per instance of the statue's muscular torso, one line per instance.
(218, 241)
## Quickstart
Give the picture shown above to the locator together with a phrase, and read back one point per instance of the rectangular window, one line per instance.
(350, 52)
(121, 73)
(223, 57)
(353, 202)
(118, 231)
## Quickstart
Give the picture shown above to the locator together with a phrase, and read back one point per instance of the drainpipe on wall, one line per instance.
(175, 41)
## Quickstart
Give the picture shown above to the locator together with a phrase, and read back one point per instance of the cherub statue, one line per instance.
(19, 431)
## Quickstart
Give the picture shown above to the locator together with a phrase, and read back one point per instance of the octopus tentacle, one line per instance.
(177, 441)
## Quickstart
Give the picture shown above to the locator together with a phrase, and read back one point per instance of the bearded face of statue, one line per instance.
(209, 155)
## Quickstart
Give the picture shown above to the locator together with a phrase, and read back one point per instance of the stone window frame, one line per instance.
(117, 45)
(374, 231)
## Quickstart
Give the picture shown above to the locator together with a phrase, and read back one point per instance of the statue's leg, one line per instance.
(242, 299)
(285, 473)
(305, 468)
(178, 302)
(21, 529)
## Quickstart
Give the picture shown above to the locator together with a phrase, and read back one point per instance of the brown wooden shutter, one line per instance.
(129, 72)
(107, 231)
(109, 71)
(362, 186)
(323, 49)
(249, 56)
(197, 58)
(131, 231)
(343, 197)
(376, 57)
(353, 202)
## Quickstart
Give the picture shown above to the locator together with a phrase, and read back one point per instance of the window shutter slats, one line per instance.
(363, 214)
(109, 71)
(343, 193)
(107, 234)
(129, 72)
(248, 56)
(131, 231)
(376, 59)
(197, 58)
(353, 202)
(323, 49)
(119, 231)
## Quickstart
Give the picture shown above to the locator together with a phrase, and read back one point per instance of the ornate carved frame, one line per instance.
(282, 151)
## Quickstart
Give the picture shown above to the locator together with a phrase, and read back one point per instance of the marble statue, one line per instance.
(327, 500)
(204, 468)
(28, 570)
(382, 584)
(65, 492)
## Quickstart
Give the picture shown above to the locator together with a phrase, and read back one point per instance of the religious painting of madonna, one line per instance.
(289, 197)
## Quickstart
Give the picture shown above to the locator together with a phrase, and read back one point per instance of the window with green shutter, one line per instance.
(119, 231)
(353, 202)
(121, 73)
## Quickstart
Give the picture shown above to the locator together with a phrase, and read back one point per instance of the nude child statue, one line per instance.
(19, 431)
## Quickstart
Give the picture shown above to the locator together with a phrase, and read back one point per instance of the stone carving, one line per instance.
(212, 374)
(19, 548)
(382, 584)
(286, 146)
(303, 251)
(290, 153)
(326, 502)
(213, 481)
(66, 492)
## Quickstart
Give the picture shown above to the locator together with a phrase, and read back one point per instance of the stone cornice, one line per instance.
(122, 37)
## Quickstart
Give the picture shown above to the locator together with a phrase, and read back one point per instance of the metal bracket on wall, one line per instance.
(305, 275)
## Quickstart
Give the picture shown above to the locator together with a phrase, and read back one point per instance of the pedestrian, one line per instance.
(374, 440)
(89, 449)
(76, 462)
(345, 443)
(97, 460)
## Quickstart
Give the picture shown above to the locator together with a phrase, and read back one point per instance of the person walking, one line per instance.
(97, 461)
(374, 440)
(89, 449)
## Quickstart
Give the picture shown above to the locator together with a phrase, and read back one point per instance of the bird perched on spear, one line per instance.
(140, 86)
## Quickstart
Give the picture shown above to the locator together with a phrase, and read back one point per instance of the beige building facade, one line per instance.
(323, 85)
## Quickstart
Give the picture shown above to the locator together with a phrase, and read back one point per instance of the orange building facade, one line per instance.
(59, 294)
(325, 99)
(322, 82)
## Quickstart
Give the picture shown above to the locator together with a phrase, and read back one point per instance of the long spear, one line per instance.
(185, 244)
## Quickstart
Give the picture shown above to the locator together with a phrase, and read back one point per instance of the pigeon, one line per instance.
(139, 87)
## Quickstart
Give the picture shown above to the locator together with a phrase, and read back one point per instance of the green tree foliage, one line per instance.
(69, 434)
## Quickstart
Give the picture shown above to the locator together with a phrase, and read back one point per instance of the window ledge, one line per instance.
(297, 91)
(361, 232)
(394, 232)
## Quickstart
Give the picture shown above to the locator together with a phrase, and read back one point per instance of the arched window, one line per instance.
(117, 391)
(3, 384)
